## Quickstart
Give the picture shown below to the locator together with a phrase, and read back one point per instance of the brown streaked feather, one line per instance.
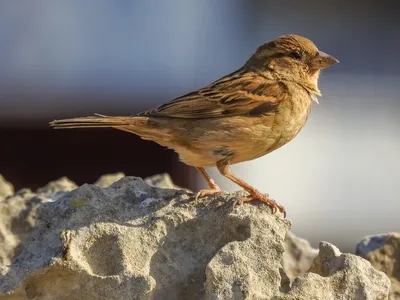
(93, 121)
(144, 127)
(238, 94)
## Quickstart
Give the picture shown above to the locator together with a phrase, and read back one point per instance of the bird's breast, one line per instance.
(276, 130)
(292, 116)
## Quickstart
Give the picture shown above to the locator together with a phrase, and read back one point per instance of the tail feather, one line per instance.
(96, 121)
(153, 131)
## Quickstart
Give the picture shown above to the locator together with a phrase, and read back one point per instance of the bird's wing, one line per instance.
(238, 94)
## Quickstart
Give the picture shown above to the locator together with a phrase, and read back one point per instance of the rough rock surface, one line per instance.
(18, 216)
(6, 188)
(162, 181)
(109, 179)
(18, 213)
(57, 187)
(298, 256)
(383, 251)
(134, 241)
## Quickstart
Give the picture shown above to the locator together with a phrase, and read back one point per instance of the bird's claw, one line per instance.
(263, 198)
(203, 193)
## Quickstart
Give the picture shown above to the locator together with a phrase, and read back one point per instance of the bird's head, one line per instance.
(292, 58)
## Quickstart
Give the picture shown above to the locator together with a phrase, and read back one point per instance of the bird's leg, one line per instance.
(214, 188)
(224, 169)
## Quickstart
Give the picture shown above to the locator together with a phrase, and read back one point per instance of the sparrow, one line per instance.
(241, 116)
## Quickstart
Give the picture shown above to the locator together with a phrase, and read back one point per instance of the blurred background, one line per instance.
(339, 179)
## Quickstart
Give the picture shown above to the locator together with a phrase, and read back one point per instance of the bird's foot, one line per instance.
(263, 198)
(209, 192)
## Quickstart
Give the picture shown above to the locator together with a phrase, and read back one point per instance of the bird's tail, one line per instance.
(93, 121)
(148, 130)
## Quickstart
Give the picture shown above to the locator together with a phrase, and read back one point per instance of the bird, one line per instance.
(240, 117)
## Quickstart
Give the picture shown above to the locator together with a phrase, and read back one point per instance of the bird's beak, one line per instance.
(322, 61)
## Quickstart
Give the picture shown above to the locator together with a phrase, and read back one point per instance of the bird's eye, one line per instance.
(295, 55)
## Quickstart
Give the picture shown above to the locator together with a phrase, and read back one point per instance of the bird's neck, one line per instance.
(313, 91)
(310, 84)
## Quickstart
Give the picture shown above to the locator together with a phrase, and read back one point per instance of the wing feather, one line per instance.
(238, 94)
